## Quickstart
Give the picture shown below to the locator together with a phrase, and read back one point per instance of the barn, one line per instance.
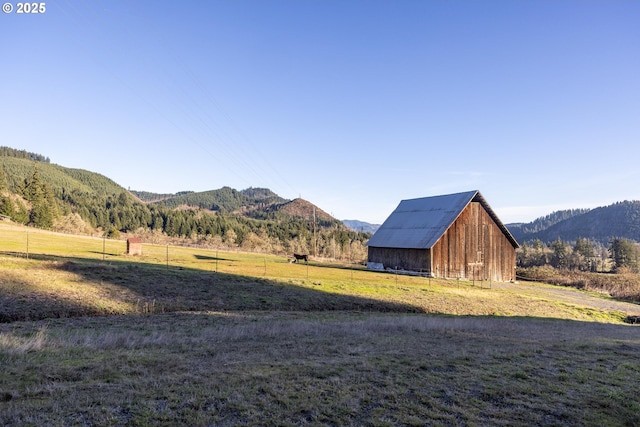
(449, 236)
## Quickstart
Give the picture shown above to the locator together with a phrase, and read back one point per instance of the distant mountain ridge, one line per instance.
(94, 196)
(619, 220)
(37, 193)
(257, 203)
(103, 203)
(363, 226)
(225, 199)
(150, 197)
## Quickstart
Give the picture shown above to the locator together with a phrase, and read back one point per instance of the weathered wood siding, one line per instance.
(134, 246)
(404, 259)
(474, 247)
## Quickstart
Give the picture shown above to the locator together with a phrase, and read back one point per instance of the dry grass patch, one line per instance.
(625, 286)
(32, 289)
(320, 369)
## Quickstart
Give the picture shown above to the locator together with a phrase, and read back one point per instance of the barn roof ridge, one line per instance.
(404, 229)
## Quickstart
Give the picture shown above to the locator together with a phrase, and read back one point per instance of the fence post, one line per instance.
(473, 274)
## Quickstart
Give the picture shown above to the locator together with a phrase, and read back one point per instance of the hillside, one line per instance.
(150, 197)
(37, 193)
(60, 179)
(619, 220)
(103, 204)
(225, 199)
(256, 203)
(303, 209)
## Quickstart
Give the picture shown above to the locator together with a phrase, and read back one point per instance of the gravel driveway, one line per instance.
(571, 296)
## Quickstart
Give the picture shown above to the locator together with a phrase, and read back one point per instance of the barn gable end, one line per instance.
(451, 236)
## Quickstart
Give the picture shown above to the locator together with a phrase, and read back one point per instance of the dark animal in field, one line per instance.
(299, 257)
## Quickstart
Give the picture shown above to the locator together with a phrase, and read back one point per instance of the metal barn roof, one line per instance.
(419, 223)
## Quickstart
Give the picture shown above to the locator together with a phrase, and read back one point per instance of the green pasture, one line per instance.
(190, 336)
(95, 275)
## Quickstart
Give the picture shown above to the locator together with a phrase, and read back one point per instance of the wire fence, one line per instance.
(39, 244)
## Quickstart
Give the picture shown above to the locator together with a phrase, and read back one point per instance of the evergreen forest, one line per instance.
(37, 193)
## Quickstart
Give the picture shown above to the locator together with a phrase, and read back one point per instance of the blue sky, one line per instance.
(353, 105)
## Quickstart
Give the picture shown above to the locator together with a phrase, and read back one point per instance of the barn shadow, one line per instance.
(156, 288)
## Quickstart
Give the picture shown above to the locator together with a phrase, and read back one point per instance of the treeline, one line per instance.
(225, 199)
(34, 202)
(38, 205)
(59, 178)
(149, 197)
(522, 231)
(620, 219)
(621, 255)
(22, 154)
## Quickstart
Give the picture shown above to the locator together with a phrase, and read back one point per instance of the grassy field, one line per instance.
(198, 337)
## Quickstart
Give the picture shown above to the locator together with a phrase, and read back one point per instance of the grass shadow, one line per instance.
(155, 288)
(106, 253)
(338, 265)
(210, 258)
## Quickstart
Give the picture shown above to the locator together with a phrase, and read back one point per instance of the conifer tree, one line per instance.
(623, 253)
(43, 203)
(3, 179)
(6, 206)
(584, 247)
(559, 259)
(20, 214)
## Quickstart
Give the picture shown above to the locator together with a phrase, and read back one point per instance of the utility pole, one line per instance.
(315, 241)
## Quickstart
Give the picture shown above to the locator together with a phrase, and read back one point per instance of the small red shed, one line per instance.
(134, 246)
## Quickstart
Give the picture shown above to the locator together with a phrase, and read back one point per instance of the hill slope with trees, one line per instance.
(35, 192)
(225, 199)
(619, 220)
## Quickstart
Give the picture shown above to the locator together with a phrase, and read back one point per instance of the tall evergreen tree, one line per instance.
(583, 255)
(623, 253)
(559, 259)
(6, 206)
(584, 247)
(43, 203)
(3, 179)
